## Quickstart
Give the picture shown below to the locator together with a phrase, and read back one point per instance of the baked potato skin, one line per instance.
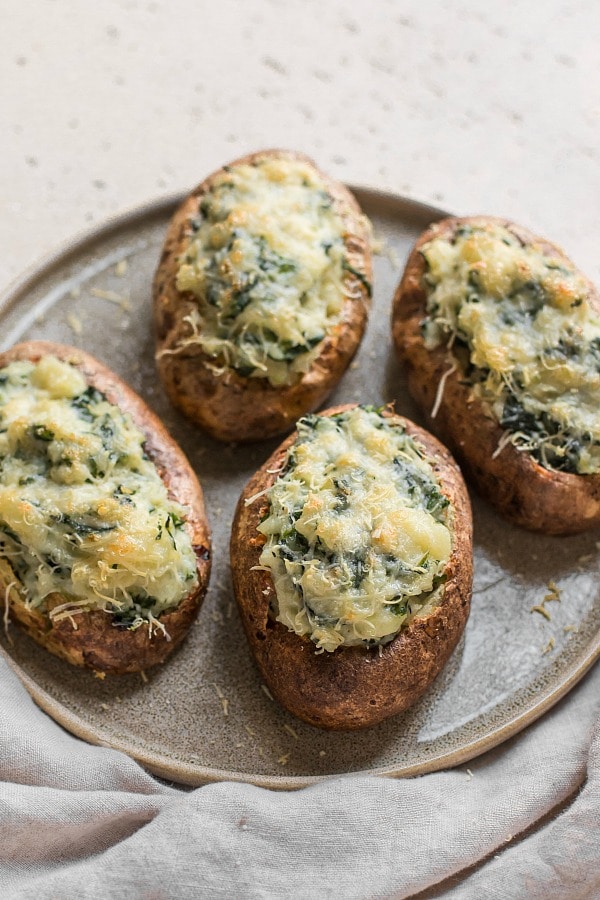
(231, 407)
(527, 494)
(353, 687)
(96, 643)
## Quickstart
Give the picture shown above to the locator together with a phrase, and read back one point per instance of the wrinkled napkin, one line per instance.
(88, 822)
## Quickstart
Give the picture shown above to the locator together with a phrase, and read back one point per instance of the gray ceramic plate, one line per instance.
(205, 716)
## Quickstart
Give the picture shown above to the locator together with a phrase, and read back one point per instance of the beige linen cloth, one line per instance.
(78, 821)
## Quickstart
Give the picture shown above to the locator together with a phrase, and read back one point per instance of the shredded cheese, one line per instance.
(440, 390)
(542, 611)
(6, 617)
(527, 337)
(357, 534)
(223, 699)
(266, 264)
(83, 511)
(75, 323)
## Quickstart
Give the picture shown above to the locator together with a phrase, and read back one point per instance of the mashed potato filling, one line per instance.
(83, 511)
(266, 263)
(522, 324)
(358, 531)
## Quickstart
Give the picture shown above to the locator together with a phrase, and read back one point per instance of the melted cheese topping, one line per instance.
(357, 531)
(267, 266)
(528, 337)
(83, 511)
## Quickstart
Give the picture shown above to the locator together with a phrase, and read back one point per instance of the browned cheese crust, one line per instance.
(522, 490)
(95, 643)
(230, 407)
(352, 687)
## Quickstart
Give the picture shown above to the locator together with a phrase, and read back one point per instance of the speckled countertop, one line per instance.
(472, 107)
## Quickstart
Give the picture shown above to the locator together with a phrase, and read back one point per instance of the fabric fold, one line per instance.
(91, 823)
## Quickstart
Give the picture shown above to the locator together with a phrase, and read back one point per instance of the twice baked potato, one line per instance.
(351, 555)
(261, 295)
(104, 542)
(500, 335)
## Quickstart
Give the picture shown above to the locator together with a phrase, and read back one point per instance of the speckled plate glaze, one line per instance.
(205, 716)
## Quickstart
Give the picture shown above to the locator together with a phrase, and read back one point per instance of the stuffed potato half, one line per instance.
(104, 543)
(500, 334)
(351, 555)
(261, 295)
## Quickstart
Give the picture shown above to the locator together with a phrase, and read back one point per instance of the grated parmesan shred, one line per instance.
(440, 390)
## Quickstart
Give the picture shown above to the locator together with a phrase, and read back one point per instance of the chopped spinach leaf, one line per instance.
(360, 276)
(42, 433)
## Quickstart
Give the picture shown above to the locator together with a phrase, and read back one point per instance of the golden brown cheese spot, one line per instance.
(531, 337)
(266, 265)
(358, 530)
(83, 511)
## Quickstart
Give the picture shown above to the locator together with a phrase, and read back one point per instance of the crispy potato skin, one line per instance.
(96, 643)
(523, 491)
(230, 407)
(352, 687)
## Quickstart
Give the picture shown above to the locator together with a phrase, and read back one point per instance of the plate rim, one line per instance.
(195, 775)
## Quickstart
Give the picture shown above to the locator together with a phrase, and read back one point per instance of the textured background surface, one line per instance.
(470, 106)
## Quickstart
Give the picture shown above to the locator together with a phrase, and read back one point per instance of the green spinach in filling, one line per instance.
(357, 530)
(521, 325)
